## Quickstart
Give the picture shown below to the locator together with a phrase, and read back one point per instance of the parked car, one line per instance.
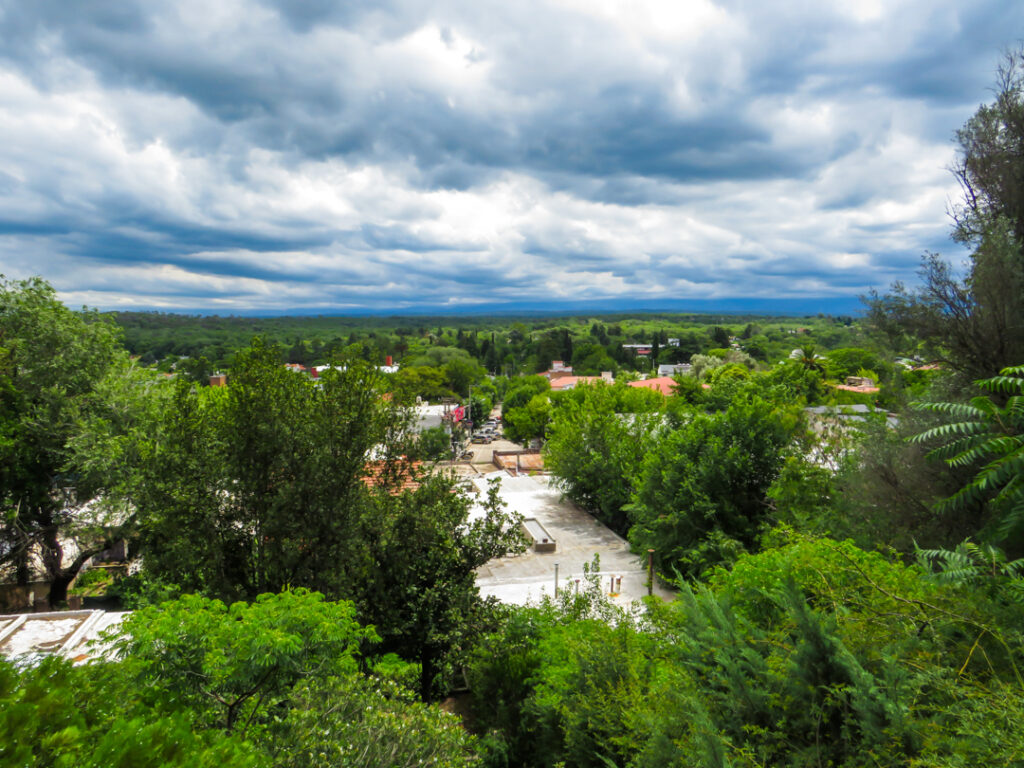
(481, 439)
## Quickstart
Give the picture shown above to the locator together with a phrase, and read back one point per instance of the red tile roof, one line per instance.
(373, 475)
(568, 382)
(663, 384)
(865, 389)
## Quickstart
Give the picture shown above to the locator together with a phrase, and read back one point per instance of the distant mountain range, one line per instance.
(827, 305)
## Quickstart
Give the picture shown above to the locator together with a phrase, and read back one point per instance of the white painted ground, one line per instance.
(578, 536)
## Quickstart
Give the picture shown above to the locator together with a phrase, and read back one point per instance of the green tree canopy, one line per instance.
(596, 442)
(706, 484)
(231, 666)
(261, 484)
(53, 365)
(975, 322)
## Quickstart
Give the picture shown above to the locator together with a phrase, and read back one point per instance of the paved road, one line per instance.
(578, 538)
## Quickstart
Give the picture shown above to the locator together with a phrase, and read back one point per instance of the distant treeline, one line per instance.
(507, 345)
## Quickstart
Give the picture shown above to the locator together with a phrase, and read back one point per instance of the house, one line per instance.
(562, 383)
(406, 476)
(558, 369)
(821, 416)
(639, 349)
(219, 380)
(663, 384)
(28, 638)
(860, 384)
(835, 427)
(674, 370)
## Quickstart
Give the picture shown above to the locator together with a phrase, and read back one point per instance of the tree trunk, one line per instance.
(61, 578)
(428, 670)
(58, 595)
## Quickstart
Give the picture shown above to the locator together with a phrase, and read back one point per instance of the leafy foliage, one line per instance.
(232, 665)
(974, 324)
(596, 443)
(811, 652)
(56, 368)
(991, 436)
(56, 715)
(705, 485)
(366, 723)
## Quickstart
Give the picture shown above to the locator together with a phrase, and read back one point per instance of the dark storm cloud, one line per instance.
(265, 82)
(366, 152)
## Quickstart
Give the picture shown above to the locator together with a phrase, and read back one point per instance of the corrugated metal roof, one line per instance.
(27, 637)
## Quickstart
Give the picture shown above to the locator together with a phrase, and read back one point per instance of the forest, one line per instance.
(848, 563)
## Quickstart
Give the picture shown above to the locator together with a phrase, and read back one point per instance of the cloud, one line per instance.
(250, 155)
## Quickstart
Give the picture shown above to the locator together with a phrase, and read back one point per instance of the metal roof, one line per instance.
(27, 637)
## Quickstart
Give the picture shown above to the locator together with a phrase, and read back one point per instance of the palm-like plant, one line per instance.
(808, 358)
(991, 436)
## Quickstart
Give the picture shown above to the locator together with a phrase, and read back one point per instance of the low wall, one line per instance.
(542, 540)
(14, 598)
(525, 460)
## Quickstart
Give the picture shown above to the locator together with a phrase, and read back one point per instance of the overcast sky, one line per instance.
(318, 155)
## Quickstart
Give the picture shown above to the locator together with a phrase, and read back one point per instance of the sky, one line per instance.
(272, 156)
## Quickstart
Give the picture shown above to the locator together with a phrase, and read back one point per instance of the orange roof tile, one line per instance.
(861, 388)
(663, 384)
(373, 475)
(568, 382)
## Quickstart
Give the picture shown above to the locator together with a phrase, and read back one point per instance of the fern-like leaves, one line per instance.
(991, 437)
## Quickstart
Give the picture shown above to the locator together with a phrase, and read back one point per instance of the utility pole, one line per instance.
(650, 571)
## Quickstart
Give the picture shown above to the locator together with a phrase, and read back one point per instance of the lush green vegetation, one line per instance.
(280, 681)
(850, 583)
(812, 652)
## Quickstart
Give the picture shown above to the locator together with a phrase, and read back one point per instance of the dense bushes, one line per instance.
(812, 652)
(204, 685)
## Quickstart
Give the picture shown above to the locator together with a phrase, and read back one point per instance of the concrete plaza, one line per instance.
(527, 577)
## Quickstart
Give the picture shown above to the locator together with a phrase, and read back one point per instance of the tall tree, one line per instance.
(975, 323)
(596, 443)
(52, 364)
(270, 474)
(421, 597)
(708, 481)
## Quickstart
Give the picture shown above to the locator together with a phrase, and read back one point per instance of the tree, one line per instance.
(233, 665)
(266, 483)
(974, 324)
(590, 359)
(808, 357)
(522, 390)
(461, 373)
(366, 723)
(526, 408)
(261, 484)
(55, 714)
(596, 443)
(421, 381)
(434, 444)
(422, 596)
(706, 484)
(991, 436)
(719, 336)
(53, 363)
(990, 165)
(530, 421)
